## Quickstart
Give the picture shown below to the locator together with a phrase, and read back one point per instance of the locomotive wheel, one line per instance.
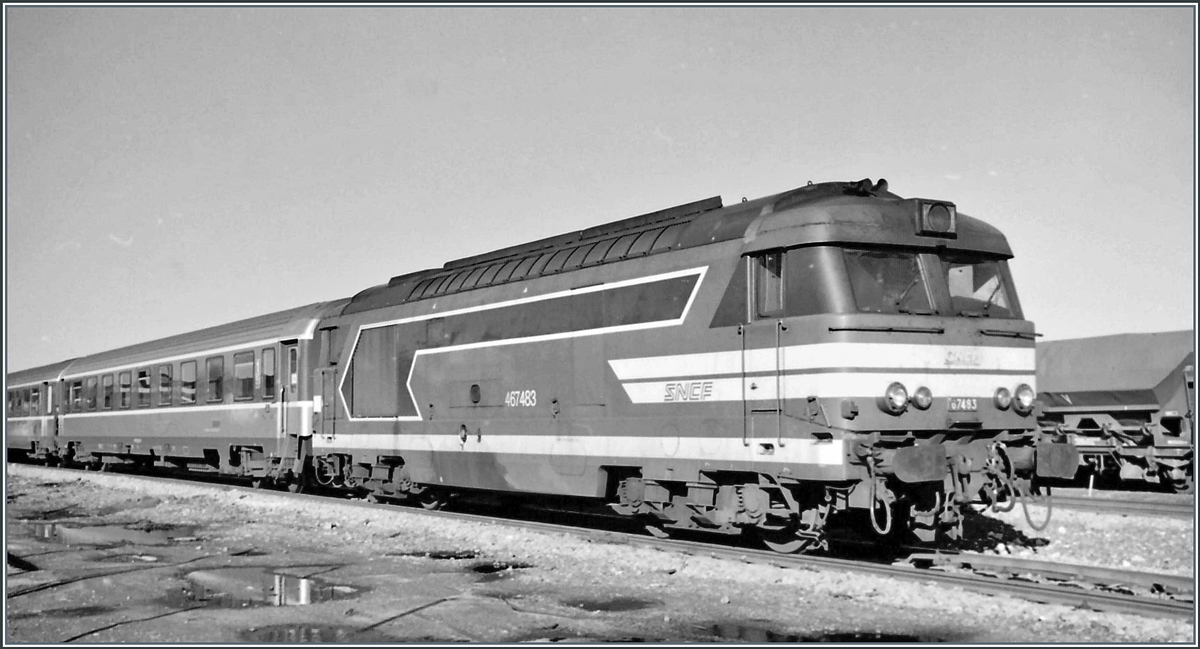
(657, 531)
(432, 499)
(1181, 485)
(784, 540)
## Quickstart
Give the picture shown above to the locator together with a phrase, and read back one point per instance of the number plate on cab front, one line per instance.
(963, 404)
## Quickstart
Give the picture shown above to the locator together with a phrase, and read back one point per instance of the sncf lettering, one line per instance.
(688, 391)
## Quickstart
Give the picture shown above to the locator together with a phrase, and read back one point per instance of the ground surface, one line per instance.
(111, 558)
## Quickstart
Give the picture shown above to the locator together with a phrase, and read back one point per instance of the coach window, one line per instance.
(293, 371)
(143, 387)
(106, 391)
(215, 368)
(35, 401)
(187, 382)
(268, 371)
(768, 285)
(164, 385)
(243, 376)
(89, 393)
(18, 408)
(76, 396)
(12, 403)
(124, 388)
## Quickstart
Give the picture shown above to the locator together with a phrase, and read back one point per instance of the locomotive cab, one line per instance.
(892, 326)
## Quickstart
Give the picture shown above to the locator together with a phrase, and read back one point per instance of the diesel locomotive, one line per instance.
(758, 368)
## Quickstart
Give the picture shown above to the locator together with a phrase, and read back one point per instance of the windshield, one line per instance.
(978, 288)
(887, 282)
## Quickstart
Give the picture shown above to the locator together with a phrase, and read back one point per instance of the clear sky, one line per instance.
(174, 168)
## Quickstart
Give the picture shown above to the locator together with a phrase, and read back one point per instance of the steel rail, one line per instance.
(1033, 591)
(1181, 509)
(1109, 577)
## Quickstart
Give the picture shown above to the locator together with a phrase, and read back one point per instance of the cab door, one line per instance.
(762, 369)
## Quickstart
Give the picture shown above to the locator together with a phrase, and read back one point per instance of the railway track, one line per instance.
(1101, 589)
(1171, 509)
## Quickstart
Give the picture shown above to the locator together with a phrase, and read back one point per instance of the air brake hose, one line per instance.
(1025, 509)
(886, 508)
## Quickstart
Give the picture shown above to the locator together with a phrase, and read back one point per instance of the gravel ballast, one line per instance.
(672, 597)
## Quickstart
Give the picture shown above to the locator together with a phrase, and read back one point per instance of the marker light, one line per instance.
(1003, 398)
(1023, 399)
(895, 399)
(922, 398)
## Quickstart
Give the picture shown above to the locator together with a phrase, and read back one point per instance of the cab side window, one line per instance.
(768, 285)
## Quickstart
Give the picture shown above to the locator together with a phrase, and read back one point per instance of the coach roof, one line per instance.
(282, 325)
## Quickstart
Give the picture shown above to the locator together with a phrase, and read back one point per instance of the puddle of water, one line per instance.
(78, 611)
(49, 515)
(249, 553)
(760, 634)
(107, 535)
(497, 566)
(439, 556)
(246, 587)
(132, 558)
(616, 604)
(298, 633)
(497, 570)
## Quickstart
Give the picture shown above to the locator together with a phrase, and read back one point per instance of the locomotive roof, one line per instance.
(1120, 365)
(841, 212)
(282, 325)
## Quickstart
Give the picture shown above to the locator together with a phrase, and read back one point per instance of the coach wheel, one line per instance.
(297, 485)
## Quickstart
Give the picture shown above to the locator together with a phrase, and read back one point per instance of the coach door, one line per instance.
(47, 411)
(291, 421)
(762, 380)
(324, 409)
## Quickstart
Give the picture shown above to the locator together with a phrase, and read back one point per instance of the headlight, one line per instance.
(1003, 398)
(1023, 399)
(922, 398)
(895, 399)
